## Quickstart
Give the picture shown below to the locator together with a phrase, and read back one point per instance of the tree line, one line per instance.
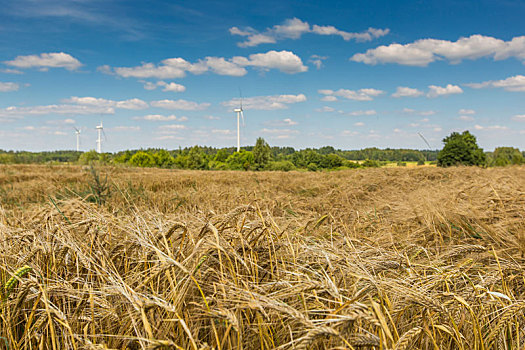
(459, 149)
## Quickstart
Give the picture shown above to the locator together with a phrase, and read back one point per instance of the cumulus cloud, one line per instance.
(466, 111)
(491, 127)
(174, 127)
(133, 103)
(317, 60)
(361, 113)
(515, 84)
(403, 91)
(8, 86)
(125, 128)
(359, 124)
(436, 91)
(325, 109)
(45, 61)
(266, 102)
(180, 104)
(413, 111)
(284, 61)
(466, 118)
(519, 117)
(160, 118)
(173, 87)
(425, 51)
(357, 95)
(17, 112)
(294, 28)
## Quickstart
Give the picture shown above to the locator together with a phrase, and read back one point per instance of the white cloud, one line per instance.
(285, 61)
(519, 117)
(357, 95)
(403, 91)
(279, 131)
(325, 109)
(466, 111)
(11, 71)
(413, 111)
(46, 60)
(466, 118)
(160, 118)
(173, 87)
(266, 102)
(436, 91)
(17, 112)
(329, 98)
(180, 104)
(170, 68)
(133, 103)
(360, 113)
(515, 84)
(424, 51)
(211, 117)
(8, 86)
(222, 131)
(491, 127)
(125, 128)
(294, 28)
(317, 60)
(174, 126)
(61, 121)
(220, 66)
(59, 133)
(289, 121)
(359, 124)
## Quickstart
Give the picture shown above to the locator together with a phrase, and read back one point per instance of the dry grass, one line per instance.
(380, 258)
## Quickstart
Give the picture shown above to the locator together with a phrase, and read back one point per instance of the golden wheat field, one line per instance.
(120, 258)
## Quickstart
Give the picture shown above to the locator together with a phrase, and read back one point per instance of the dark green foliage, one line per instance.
(142, 159)
(261, 154)
(243, 160)
(461, 149)
(503, 156)
(371, 163)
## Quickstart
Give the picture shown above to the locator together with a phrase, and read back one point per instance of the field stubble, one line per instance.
(366, 259)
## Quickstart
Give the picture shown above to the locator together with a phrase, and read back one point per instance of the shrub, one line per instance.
(142, 159)
(284, 165)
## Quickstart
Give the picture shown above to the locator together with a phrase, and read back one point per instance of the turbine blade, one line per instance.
(242, 116)
(103, 132)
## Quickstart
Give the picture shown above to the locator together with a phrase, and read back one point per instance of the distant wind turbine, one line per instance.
(100, 129)
(77, 131)
(240, 114)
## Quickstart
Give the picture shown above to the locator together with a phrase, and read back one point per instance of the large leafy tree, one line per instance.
(461, 149)
(262, 154)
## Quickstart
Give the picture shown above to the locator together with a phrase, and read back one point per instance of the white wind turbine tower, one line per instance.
(100, 130)
(77, 131)
(240, 114)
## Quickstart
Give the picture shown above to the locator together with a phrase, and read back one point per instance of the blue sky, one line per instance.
(312, 73)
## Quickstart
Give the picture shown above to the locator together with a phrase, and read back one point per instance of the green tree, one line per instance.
(163, 159)
(507, 155)
(243, 160)
(88, 157)
(221, 155)
(262, 154)
(142, 159)
(196, 159)
(461, 149)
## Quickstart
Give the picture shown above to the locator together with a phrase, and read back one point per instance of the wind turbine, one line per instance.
(100, 129)
(77, 131)
(240, 114)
